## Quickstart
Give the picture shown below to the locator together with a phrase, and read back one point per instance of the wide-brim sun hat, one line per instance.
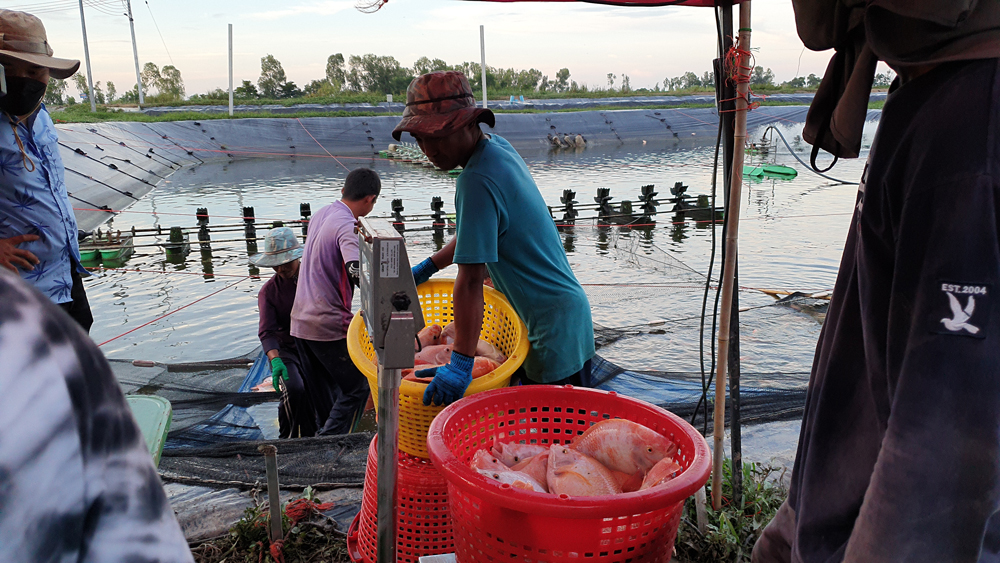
(281, 246)
(439, 103)
(22, 38)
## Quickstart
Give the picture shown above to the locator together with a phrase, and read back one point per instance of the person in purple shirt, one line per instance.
(322, 309)
(282, 251)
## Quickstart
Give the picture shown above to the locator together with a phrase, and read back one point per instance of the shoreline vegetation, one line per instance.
(80, 113)
(373, 79)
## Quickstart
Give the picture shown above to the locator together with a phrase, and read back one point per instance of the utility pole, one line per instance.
(135, 52)
(86, 55)
(230, 70)
(482, 50)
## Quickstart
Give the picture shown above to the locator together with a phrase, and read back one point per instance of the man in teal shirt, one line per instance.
(504, 228)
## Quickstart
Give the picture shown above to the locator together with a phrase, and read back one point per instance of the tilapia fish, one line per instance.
(536, 467)
(664, 470)
(434, 335)
(492, 468)
(625, 446)
(428, 336)
(487, 350)
(480, 367)
(515, 479)
(573, 473)
(433, 355)
(512, 453)
(447, 334)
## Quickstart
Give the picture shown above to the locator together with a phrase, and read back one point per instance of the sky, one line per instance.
(647, 44)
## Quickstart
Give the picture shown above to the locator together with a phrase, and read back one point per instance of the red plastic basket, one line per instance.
(424, 523)
(494, 522)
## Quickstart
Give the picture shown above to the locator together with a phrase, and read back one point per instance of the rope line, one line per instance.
(320, 144)
(161, 317)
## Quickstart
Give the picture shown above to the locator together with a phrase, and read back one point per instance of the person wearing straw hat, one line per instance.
(503, 229)
(38, 233)
(283, 253)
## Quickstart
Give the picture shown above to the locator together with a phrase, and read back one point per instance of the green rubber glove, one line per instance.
(278, 370)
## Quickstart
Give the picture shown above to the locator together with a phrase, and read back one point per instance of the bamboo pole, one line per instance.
(732, 236)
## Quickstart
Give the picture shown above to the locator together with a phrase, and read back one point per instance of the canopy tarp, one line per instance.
(639, 3)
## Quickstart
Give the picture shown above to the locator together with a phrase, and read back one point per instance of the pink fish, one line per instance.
(575, 474)
(511, 453)
(515, 479)
(536, 467)
(447, 334)
(434, 355)
(429, 336)
(485, 349)
(628, 483)
(664, 470)
(483, 460)
(623, 445)
(492, 468)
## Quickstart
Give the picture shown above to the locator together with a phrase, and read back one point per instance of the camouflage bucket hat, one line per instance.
(439, 103)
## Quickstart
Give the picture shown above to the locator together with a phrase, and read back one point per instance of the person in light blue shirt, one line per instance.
(38, 232)
(503, 228)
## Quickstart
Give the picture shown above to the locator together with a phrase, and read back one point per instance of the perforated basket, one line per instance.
(501, 327)
(494, 522)
(423, 521)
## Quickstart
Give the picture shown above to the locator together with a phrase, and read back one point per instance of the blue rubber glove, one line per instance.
(450, 380)
(424, 270)
(278, 369)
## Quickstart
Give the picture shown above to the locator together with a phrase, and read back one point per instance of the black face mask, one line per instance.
(23, 95)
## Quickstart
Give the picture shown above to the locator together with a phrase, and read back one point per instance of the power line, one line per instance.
(158, 31)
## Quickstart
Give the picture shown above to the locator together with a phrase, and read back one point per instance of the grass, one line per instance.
(733, 530)
(311, 539)
(730, 536)
(80, 113)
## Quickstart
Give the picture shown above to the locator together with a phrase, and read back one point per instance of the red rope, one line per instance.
(739, 74)
(302, 508)
(174, 311)
(138, 271)
(320, 144)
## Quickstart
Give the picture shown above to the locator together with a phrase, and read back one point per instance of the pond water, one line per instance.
(790, 238)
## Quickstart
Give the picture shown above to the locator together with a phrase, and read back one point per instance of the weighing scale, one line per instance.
(392, 315)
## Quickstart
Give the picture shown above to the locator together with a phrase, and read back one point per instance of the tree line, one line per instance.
(158, 85)
(380, 75)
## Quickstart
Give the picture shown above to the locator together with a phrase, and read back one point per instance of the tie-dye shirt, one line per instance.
(36, 203)
(77, 482)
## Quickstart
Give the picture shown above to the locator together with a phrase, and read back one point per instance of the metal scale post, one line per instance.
(392, 315)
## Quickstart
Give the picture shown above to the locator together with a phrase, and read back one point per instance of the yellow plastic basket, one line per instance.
(501, 327)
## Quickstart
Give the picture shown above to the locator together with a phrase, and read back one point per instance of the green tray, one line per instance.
(153, 415)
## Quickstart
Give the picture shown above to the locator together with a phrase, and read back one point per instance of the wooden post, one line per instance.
(732, 236)
(274, 531)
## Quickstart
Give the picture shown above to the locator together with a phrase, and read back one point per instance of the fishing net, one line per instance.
(324, 462)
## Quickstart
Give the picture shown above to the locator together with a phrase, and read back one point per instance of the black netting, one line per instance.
(322, 463)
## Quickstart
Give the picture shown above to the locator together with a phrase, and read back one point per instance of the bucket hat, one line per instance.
(22, 38)
(438, 103)
(281, 246)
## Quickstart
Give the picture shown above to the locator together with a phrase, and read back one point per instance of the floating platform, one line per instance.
(115, 248)
(770, 171)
